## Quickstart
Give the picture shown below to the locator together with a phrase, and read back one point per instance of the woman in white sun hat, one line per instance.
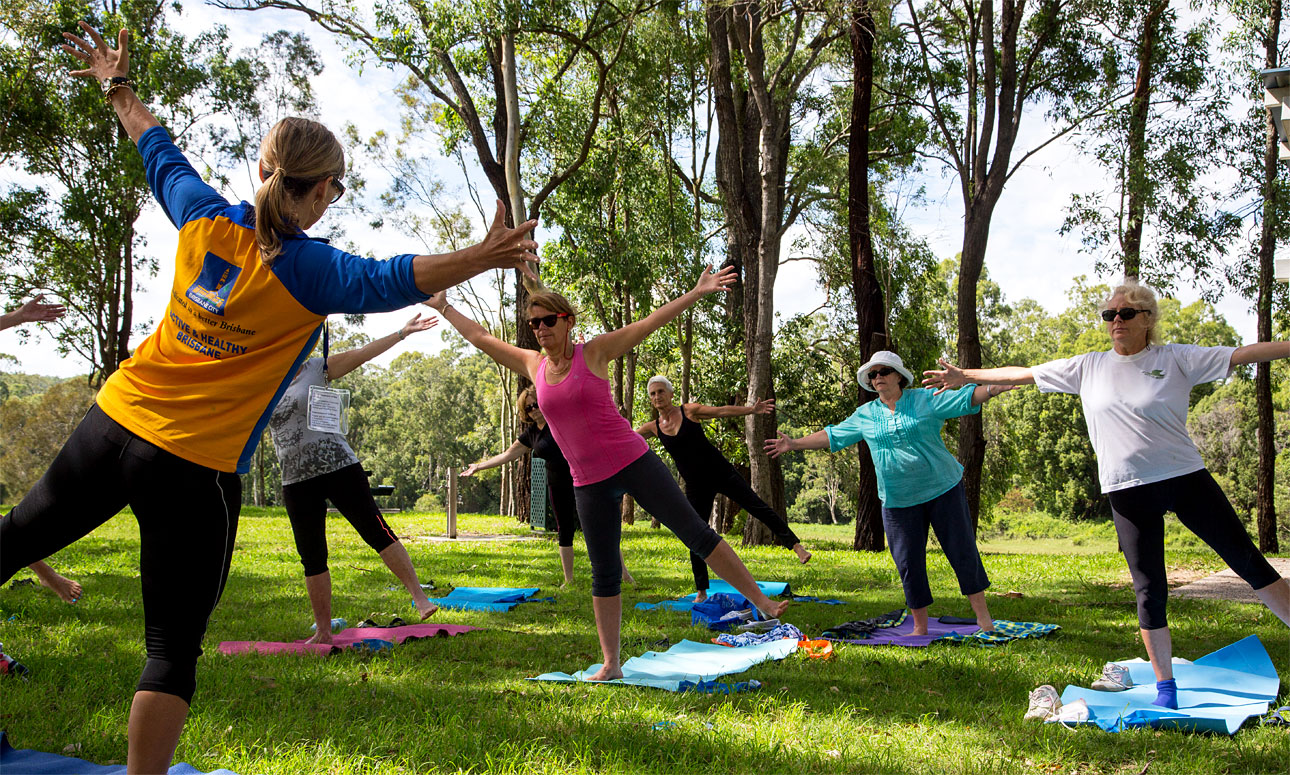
(919, 481)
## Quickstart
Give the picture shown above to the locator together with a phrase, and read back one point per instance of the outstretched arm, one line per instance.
(340, 364)
(34, 311)
(1260, 352)
(519, 360)
(606, 347)
(953, 377)
(705, 412)
(514, 452)
(983, 393)
(777, 447)
(646, 430)
(501, 248)
(104, 63)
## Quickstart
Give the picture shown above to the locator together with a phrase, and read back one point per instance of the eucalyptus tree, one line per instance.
(68, 226)
(980, 74)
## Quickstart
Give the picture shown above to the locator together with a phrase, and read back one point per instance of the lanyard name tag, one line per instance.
(328, 410)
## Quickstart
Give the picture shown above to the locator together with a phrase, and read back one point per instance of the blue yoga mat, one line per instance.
(686, 662)
(768, 588)
(484, 598)
(1216, 693)
(41, 763)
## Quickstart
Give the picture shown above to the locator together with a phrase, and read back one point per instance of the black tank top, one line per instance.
(694, 455)
(542, 442)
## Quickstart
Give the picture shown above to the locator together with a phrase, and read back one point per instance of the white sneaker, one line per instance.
(1115, 678)
(1044, 704)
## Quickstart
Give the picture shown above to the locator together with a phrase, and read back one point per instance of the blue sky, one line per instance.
(1027, 256)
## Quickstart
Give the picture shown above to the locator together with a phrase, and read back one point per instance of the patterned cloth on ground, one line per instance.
(751, 638)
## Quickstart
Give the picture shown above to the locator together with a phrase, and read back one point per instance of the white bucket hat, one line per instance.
(883, 358)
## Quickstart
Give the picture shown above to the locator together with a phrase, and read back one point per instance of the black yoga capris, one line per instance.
(729, 483)
(1203, 509)
(350, 493)
(563, 505)
(648, 481)
(187, 517)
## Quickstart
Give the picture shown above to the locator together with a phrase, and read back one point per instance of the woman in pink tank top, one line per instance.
(608, 458)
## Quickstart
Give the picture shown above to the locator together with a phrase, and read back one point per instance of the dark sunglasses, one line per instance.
(884, 371)
(530, 407)
(340, 189)
(1125, 313)
(546, 320)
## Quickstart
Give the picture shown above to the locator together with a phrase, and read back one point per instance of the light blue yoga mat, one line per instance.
(687, 661)
(768, 588)
(1216, 693)
(13, 760)
(484, 598)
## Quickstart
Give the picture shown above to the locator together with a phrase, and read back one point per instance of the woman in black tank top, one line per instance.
(706, 471)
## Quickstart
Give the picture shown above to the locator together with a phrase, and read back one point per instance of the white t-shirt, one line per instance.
(1136, 407)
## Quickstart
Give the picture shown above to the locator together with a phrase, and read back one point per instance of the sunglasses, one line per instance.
(546, 320)
(1125, 313)
(530, 407)
(884, 371)
(340, 190)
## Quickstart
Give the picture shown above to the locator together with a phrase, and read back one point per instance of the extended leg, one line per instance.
(734, 487)
(66, 589)
(906, 530)
(952, 523)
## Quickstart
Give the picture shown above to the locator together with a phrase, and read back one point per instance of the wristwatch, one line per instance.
(110, 85)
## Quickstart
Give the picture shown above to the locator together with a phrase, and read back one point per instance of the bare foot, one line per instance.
(776, 609)
(606, 673)
(701, 595)
(627, 579)
(322, 636)
(566, 583)
(803, 556)
(66, 589)
(919, 631)
(986, 625)
(426, 610)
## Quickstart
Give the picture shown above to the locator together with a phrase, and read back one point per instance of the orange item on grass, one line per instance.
(816, 649)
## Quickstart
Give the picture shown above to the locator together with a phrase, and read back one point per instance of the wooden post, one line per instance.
(452, 502)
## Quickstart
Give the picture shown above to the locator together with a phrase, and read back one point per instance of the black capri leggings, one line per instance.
(187, 517)
(730, 484)
(349, 492)
(648, 481)
(564, 505)
(1204, 510)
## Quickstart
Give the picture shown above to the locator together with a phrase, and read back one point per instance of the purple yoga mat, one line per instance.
(900, 634)
(345, 639)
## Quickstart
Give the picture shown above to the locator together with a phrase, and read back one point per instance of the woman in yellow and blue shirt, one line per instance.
(176, 424)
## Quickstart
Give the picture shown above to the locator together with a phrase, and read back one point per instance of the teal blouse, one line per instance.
(912, 462)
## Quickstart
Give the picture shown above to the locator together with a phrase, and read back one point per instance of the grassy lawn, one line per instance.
(463, 703)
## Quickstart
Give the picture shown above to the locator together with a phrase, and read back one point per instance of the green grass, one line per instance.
(462, 704)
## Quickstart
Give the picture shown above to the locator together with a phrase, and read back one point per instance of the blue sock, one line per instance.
(1167, 694)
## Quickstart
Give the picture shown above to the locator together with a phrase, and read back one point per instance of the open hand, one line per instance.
(776, 447)
(470, 469)
(507, 248)
(951, 377)
(100, 60)
(418, 323)
(764, 406)
(438, 301)
(711, 282)
(37, 311)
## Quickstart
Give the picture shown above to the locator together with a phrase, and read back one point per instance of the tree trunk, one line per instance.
(871, 314)
(971, 428)
(1140, 107)
(1265, 508)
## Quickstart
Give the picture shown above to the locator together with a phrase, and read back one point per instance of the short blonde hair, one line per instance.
(1138, 296)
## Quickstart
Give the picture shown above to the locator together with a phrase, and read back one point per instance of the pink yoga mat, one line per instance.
(344, 639)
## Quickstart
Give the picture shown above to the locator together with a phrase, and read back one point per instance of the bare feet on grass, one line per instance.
(426, 609)
(322, 636)
(66, 589)
(803, 556)
(776, 609)
(606, 673)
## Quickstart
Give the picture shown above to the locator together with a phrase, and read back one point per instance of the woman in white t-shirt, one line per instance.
(1135, 400)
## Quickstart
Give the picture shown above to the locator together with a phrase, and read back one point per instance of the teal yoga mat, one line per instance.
(1216, 693)
(686, 662)
(484, 598)
(768, 588)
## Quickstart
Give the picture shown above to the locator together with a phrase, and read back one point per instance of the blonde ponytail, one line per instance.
(294, 156)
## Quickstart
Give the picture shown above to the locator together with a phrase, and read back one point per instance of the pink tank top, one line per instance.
(597, 441)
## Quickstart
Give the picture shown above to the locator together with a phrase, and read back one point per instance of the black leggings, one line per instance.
(648, 481)
(564, 505)
(1204, 510)
(349, 492)
(187, 517)
(730, 484)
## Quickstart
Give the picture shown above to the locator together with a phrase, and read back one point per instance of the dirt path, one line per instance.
(1226, 585)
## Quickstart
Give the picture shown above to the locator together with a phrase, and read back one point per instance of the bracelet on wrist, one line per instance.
(401, 335)
(114, 84)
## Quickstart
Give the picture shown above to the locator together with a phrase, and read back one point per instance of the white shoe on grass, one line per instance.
(1075, 712)
(1115, 678)
(1044, 704)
